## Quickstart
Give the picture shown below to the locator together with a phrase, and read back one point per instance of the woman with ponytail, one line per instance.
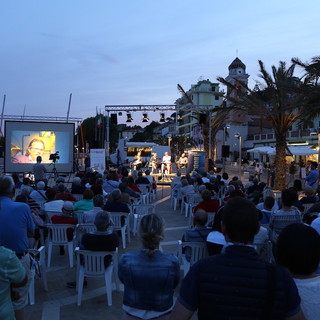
(149, 275)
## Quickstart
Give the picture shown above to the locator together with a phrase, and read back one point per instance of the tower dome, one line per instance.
(237, 63)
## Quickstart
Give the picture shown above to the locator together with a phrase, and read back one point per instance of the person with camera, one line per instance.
(39, 171)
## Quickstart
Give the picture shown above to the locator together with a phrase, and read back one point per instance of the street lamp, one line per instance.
(238, 136)
(225, 127)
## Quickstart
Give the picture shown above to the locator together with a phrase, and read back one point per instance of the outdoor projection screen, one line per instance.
(24, 141)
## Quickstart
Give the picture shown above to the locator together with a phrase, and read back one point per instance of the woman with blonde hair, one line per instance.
(149, 275)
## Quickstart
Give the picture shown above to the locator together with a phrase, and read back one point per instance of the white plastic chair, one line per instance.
(264, 250)
(146, 195)
(50, 214)
(198, 251)
(57, 236)
(92, 264)
(176, 197)
(117, 225)
(138, 211)
(81, 229)
(79, 216)
(39, 256)
(189, 201)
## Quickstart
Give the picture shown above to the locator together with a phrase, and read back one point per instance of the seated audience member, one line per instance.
(141, 179)
(97, 187)
(76, 187)
(207, 204)
(16, 180)
(114, 203)
(66, 217)
(64, 194)
(132, 185)
(37, 217)
(225, 178)
(112, 182)
(98, 203)
(288, 214)
(151, 179)
(310, 196)
(315, 224)
(268, 204)
(128, 190)
(26, 185)
(216, 239)
(86, 203)
(101, 240)
(58, 181)
(145, 272)
(125, 197)
(199, 232)
(299, 252)
(52, 204)
(205, 178)
(236, 283)
(31, 202)
(268, 192)
(40, 193)
(176, 180)
(12, 275)
(186, 188)
(262, 236)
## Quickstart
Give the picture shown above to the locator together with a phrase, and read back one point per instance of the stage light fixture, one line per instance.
(162, 117)
(145, 117)
(129, 118)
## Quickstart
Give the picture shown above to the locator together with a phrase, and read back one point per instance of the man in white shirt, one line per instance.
(98, 203)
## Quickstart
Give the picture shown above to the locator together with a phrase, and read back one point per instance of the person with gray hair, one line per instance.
(103, 239)
(149, 275)
(16, 226)
(114, 203)
(40, 193)
(98, 203)
(199, 232)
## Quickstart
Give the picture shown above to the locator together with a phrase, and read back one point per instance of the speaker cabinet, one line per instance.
(225, 151)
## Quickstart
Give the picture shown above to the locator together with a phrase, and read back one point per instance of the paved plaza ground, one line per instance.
(60, 302)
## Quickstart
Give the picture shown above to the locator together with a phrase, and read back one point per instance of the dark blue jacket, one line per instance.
(234, 285)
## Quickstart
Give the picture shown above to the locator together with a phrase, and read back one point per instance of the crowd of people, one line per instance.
(236, 281)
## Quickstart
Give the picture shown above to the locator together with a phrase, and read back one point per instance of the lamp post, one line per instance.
(238, 135)
(225, 127)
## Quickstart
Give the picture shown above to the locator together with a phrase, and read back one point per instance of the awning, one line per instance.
(263, 150)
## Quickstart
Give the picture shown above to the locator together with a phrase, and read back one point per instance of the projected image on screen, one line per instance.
(27, 146)
(25, 141)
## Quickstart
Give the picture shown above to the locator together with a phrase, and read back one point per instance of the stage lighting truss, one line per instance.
(162, 117)
(129, 118)
(145, 117)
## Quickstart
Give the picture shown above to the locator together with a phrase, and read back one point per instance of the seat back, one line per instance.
(143, 209)
(82, 228)
(193, 198)
(198, 250)
(306, 207)
(93, 262)
(79, 216)
(58, 233)
(117, 221)
(50, 214)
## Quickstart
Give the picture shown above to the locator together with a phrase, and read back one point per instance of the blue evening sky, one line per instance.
(136, 51)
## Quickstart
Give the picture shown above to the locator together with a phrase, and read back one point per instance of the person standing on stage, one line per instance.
(166, 162)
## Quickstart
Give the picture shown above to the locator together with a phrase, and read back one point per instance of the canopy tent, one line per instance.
(295, 150)
(263, 150)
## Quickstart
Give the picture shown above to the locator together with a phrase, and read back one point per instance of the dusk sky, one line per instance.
(137, 51)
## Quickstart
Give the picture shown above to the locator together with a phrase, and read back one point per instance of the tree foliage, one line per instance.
(281, 98)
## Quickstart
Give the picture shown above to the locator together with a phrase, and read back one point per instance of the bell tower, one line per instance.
(237, 72)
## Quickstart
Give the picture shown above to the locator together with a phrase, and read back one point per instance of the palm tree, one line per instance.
(283, 99)
(312, 69)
